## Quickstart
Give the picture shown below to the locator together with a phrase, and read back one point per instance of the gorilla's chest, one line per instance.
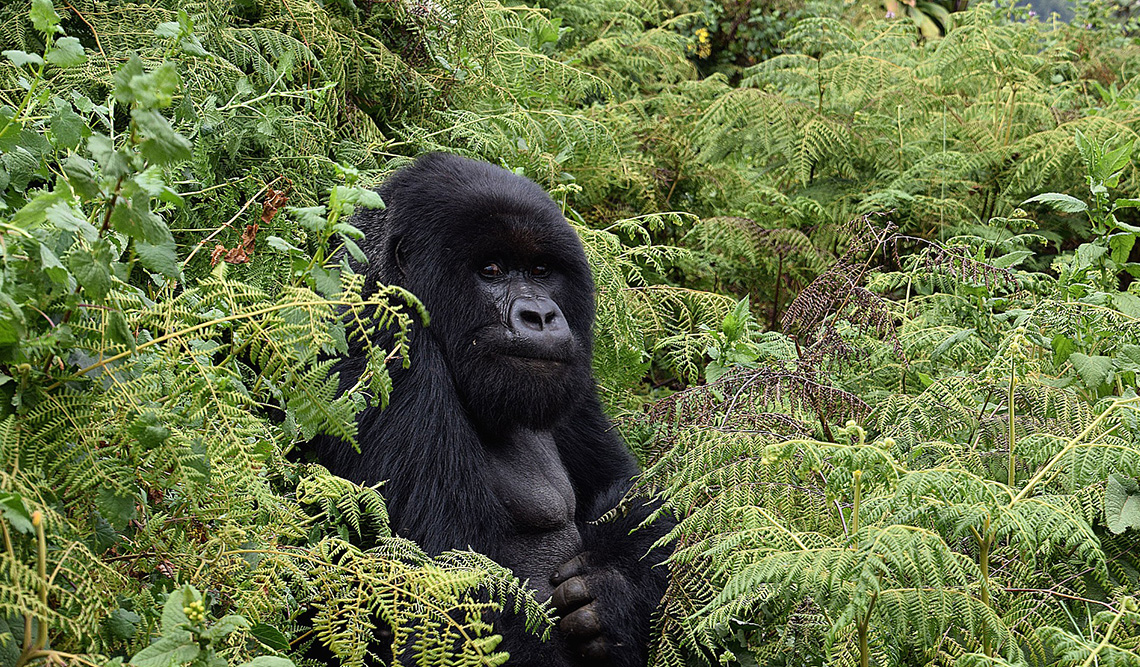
(530, 481)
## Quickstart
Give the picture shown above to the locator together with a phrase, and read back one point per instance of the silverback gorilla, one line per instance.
(494, 438)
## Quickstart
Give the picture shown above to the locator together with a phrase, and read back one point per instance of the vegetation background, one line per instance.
(868, 312)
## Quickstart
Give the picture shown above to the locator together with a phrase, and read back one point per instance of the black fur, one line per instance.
(494, 438)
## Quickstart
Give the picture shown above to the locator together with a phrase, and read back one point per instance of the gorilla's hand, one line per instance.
(589, 599)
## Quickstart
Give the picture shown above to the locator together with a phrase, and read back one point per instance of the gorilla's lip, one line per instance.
(527, 355)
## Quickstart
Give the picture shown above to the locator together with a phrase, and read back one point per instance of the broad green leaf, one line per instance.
(173, 618)
(1061, 202)
(66, 52)
(135, 219)
(268, 661)
(161, 143)
(116, 509)
(1128, 358)
(92, 269)
(270, 636)
(1121, 503)
(1125, 203)
(22, 59)
(149, 430)
(80, 173)
(16, 513)
(44, 17)
(112, 162)
(171, 650)
(52, 267)
(1011, 259)
(161, 258)
(1129, 304)
(1094, 370)
(1088, 254)
(67, 127)
(122, 624)
(1121, 245)
(118, 330)
(65, 216)
(225, 626)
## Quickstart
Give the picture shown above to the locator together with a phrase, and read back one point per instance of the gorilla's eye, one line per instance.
(492, 270)
(540, 271)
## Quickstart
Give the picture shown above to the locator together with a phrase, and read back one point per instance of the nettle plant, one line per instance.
(1098, 263)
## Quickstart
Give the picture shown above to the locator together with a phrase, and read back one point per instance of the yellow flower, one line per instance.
(703, 35)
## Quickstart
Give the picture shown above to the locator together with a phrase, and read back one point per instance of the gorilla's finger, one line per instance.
(582, 623)
(596, 650)
(574, 567)
(571, 594)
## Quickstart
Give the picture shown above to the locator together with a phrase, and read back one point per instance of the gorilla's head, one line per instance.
(504, 279)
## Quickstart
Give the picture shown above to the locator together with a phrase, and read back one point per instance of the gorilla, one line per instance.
(494, 439)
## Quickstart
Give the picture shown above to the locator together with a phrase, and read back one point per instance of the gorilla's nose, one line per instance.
(539, 319)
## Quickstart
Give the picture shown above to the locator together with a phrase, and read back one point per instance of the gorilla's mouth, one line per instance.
(537, 356)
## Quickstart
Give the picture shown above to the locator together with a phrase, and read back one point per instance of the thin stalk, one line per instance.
(1012, 432)
(855, 503)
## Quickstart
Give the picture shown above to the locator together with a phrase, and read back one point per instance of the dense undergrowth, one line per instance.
(867, 312)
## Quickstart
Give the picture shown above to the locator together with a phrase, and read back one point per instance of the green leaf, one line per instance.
(1121, 503)
(1125, 203)
(1128, 358)
(173, 618)
(92, 269)
(951, 341)
(149, 430)
(161, 144)
(67, 217)
(52, 267)
(23, 59)
(268, 661)
(44, 17)
(1094, 370)
(118, 330)
(122, 624)
(1121, 245)
(1058, 201)
(225, 626)
(16, 513)
(135, 219)
(1129, 304)
(113, 163)
(270, 636)
(171, 650)
(1011, 259)
(66, 52)
(67, 127)
(161, 258)
(80, 173)
(116, 509)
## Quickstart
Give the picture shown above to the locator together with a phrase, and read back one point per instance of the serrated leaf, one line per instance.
(66, 52)
(173, 618)
(951, 341)
(171, 650)
(1129, 304)
(1121, 245)
(1058, 201)
(52, 267)
(118, 330)
(1011, 259)
(112, 162)
(161, 143)
(67, 127)
(92, 269)
(1121, 503)
(67, 217)
(225, 626)
(162, 258)
(1128, 358)
(1094, 370)
(122, 624)
(116, 509)
(80, 173)
(135, 219)
(149, 430)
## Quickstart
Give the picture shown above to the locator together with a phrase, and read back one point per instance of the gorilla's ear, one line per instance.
(398, 256)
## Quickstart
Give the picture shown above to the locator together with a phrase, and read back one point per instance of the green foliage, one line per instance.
(930, 456)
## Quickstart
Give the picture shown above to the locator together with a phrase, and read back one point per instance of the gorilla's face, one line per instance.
(511, 302)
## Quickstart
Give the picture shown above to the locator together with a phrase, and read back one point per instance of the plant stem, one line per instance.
(855, 503)
(1011, 477)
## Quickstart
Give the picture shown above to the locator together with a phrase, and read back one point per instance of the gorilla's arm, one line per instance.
(608, 594)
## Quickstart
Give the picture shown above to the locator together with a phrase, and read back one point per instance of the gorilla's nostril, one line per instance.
(531, 318)
(550, 317)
